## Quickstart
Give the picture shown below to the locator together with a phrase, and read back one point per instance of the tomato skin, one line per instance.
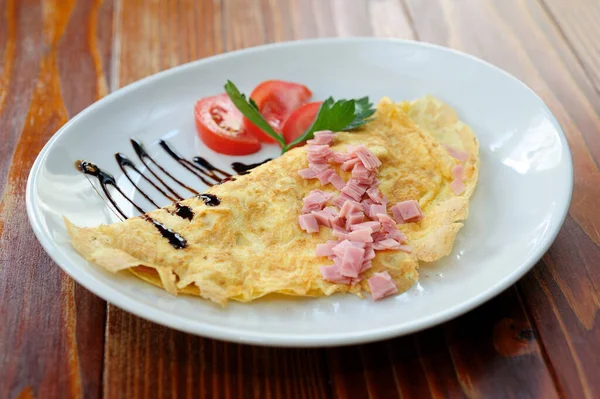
(299, 121)
(219, 125)
(276, 100)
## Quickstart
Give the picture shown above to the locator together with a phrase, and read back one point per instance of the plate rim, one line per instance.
(274, 339)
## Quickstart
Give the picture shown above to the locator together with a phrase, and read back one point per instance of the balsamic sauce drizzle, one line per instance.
(200, 167)
(184, 211)
(176, 240)
(142, 154)
(105, 179)
(123, 161)
(210, 199)
(244, 169)
(201, 170)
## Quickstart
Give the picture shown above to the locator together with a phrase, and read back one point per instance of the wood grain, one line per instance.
(578, 22)
(51, 335)
(539, 339)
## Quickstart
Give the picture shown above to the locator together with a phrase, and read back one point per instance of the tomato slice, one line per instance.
(276, 100)
(219, 125)
(299, 121)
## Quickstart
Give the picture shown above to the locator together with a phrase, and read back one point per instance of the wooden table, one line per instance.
(539, 339)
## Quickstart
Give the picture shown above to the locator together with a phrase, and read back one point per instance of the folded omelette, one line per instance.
(251, 245)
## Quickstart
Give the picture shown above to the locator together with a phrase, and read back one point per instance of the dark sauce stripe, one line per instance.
(188, 165)
(123, 161)
(184, 211)
(243, 169)
(210, 199)
(106, 179)
(175, 239)
(212, 170)
(143, 155)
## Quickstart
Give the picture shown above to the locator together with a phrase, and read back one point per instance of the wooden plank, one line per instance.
(51, 335)
(490, 352)
(562, 296)
(578, 22)
(562, 292)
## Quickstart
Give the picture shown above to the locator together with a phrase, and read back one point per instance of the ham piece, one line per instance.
(407, 212)
(382, 285)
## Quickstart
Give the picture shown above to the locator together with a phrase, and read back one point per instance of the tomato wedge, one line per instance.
(299, 121)
(219, 125)
(276, 100)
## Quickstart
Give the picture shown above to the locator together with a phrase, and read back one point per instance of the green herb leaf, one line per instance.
(249, 109)
(337, 116)
(253, 103)
(363, 111)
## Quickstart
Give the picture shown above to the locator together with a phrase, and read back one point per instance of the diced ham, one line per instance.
(307, 173)
(374, 226)
(405, 248)
(407, 211)
(319, 153)
(332, 210)
(380, 235)
(387, 223)
(397, 215)
(349, 207)
(349, 164)
(308, 223)
(352, 261)
(361, 174)
(315, 201)
(362, 235)
(326, 249)
(339, 157)
(354, 190)
(369, 253)
(322, 137)
(325, 217)
(458, 172)
(388, 243)
(332, 274)
(340, 248)
(381, 285)
(324, 176)
(374, 209)
(354, 218)
(368, 159)
(366, 265)
(339, 232)
(324, 133)
(318, 166)
(456, 153)
(337, 181)
(376, 196)
(396, 235)
(458, 187)
(318, 149)
(340, 200)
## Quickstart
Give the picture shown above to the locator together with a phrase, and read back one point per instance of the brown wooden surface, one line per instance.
(539, 339)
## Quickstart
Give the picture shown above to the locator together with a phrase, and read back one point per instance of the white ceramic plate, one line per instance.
(520, 203)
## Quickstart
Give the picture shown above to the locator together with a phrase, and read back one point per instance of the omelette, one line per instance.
(251, 244)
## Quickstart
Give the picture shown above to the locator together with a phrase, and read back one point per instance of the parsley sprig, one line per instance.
(340, 115)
